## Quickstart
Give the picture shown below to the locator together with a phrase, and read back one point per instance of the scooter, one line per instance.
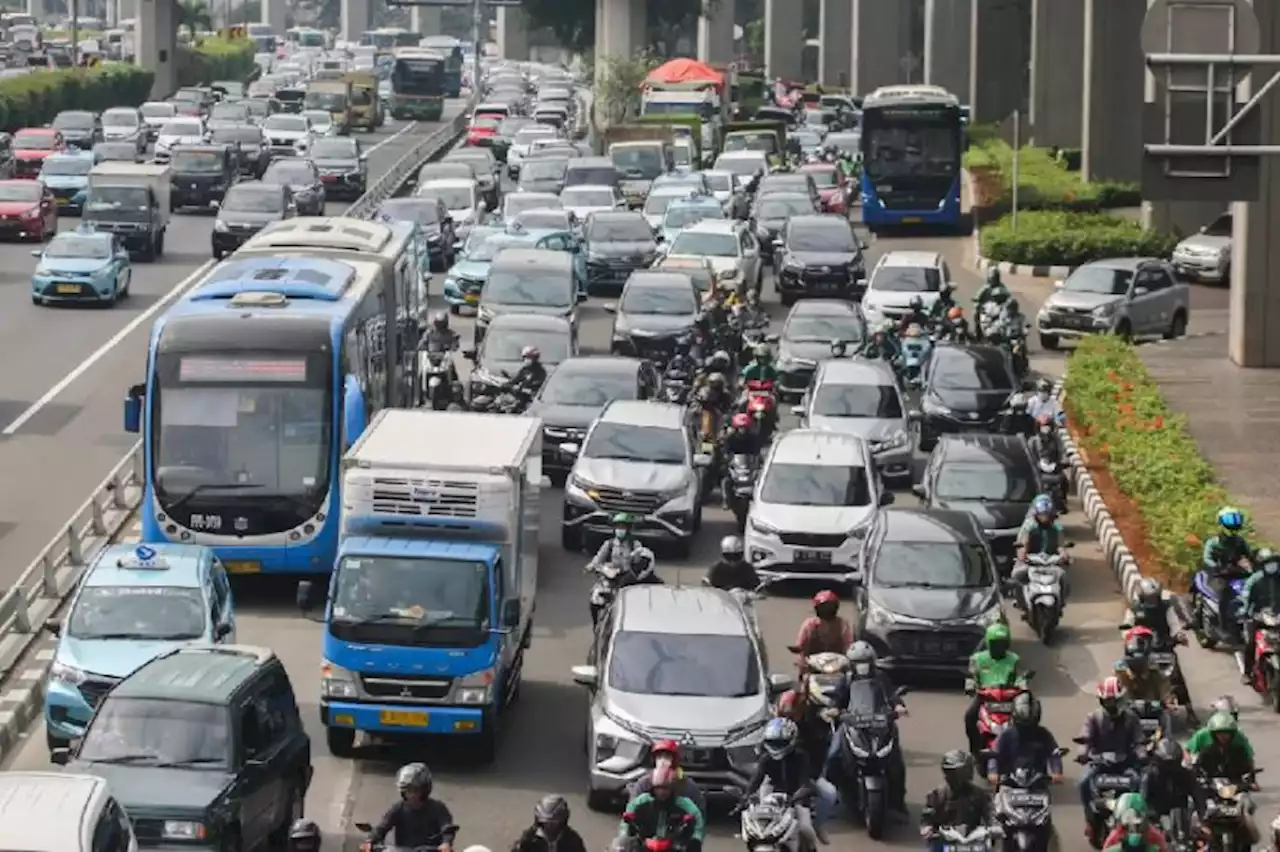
(1266, 657)
(367, 828)
(741, 482)
(996, 709)
(915, 352)
(867, 742)
(1023, 807)
(1226, 809)
(1053, 481)
(437, 379)
(769, 823)
(1043, 598)
(984, 838)
(1113, 776)
(761, 404)
(1206, 619)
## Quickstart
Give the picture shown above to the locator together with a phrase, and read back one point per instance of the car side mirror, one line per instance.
(582, 297)
(920, 491)
(779, 244)
(222, 631)
(469, 354)
(587, 676)
(798, 410)
(53, 626)
(610, 308)
(1140, 291)
(886, 498)
(915, 416)
(772, 338)
(133, 409)
(511, 614)
(780, 683)
(862, 244)
(364, 158)
(304, 596)
(36, 252)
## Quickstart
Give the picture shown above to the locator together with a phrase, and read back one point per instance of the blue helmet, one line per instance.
(1043, 505)
(1230, 518)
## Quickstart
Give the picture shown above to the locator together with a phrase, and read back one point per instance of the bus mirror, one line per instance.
(133, 409)
(353, 413)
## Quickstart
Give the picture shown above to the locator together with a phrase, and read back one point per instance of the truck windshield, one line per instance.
(121, 198)
(331, 101)
(638, 162)
(422, 601)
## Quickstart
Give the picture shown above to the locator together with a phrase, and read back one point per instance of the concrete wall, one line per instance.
(513, 33)
(881, 43)
(999, 53)
(425, 20)
(835, 42)
(620, 29)
(1057, 72)
(715, 32)
(946, 44)
(1114, 84)
(783, 38)
(155, 43)
(354, 20)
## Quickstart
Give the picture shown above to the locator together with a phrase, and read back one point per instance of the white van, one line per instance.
(62, 812)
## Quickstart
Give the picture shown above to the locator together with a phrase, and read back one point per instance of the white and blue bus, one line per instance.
(257, 382)
(912, 142)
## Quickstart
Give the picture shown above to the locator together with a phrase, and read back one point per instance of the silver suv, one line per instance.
(685, 664)
(1206, 256)
(1129, 296)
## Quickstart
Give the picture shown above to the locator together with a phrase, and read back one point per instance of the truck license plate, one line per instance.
(242, 567)
(911, 220)
(404, 718)
(813, 556)
(471, 298)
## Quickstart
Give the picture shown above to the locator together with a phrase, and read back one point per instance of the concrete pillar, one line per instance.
(783, 39)
(273, 13)
(715, 32)
(998, 58)
(835, 42)
(620, 29)
(155, 41)
(513, 33)
(1114, 80)
(354, 19)
(639, 26)
(1253, 330)
(946, 45)
(425, 20)
(1057, 72)
(881, 43)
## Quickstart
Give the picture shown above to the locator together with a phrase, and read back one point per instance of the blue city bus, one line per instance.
(257, 382)
(912, 141)
(451, 49)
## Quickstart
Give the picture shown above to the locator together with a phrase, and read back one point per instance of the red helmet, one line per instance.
(1139, 634)
(788, 702)
(826, 596)
(741, 420)
(1110, 689)
(661, 747)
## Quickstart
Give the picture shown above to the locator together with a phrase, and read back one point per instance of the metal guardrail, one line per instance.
(51, 578)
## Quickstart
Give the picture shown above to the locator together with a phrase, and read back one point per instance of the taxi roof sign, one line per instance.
(144, 558)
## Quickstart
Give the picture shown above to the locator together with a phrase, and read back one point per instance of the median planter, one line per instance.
(32, 100)
(1045, 181)
(1068, 239)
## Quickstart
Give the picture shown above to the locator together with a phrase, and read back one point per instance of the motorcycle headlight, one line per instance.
(1048, 466)
(851, 740)
(885, 749)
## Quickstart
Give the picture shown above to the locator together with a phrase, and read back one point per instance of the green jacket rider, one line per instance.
(1041, 533)
(882, 344)
(993, 665)
(993, 290)
(1261, 593)
(1203, 738)
(653, 814)
(1229, 546)
(761, 368)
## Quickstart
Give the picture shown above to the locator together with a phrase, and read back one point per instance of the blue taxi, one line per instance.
(684, 212)
(466, 279)
(83, 265)
(135, 602)
(67, 177)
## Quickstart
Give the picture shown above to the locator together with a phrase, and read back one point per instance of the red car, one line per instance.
(27, 210)
(32, 146)
(483, 130)
(833, 186)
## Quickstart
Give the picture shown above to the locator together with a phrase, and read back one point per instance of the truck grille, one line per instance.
(637, 502)
(932, 645)
(812, 539)
(429, 498)
(406, 687)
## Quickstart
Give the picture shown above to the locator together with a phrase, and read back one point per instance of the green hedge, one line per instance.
(215, 59)
(1044, 182)
(1060, 238)
(32, 100)
(1125, 423)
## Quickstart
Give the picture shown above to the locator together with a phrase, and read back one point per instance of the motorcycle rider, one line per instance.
(667, 753)
(761, 368)
(1111, 729)
(915, 315)
(1201, 739)
(941, 308)
(1040, 532)
(417, 819)
(824, 631)
(627, 554)
(1141, 680)
(993, 290)
(1045, 442)
(1025, 743)
(550, 831)
(1043, 401)
(956, 327)
(529, 378)
(1226, 756)
(1227, 556)
(1262, 592)
(742, 438)
(881, 344)
(1132, 829)
(958, 803)
(991, 666)
(1151, 608)
(651, 814)
(863, 668)
(439, 337)
(790, 771)
(732, 570)
(1168, 784)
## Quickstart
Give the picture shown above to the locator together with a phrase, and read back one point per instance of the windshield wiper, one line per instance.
(125, 758)
(199, 489)
(97, 636)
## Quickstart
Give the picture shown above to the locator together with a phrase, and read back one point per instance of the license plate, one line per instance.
(1115, 782)
(1021, 799)
(328, 178)
(243, 567)
(69, 288)
(404, 718)
(813, 556)
(911, 220)
(471, 298)
(63, 202)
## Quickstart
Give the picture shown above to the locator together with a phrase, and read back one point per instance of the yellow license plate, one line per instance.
(243, 567)
(911, 220)
(471, 298)
(404, 718)
(68, 288)
(63, 202)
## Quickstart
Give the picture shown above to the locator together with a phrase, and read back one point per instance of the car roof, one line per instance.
(616, 216)
(207, 674)
(715, 226)
(1006, 450)
(658, 278)
(928, 525)
(596, 187)
(818, 307)
(1128, 263)
(531, 322)
(163, 564)
(532, 196)
(447, 183)
(817, 447)
(46, 811)
(534, 258)
(911, 258)
(599, 365)
(787, 196)
(694, 201)
(642, 412)
(591, 163)
(818, 219)
(855, 371)
(680, 610)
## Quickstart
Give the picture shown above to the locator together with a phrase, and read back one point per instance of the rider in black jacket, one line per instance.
(550, 831)
(958, 803)
(529, 378)
(732, 571)
(417, 819)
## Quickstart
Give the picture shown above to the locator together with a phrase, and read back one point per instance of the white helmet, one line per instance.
(476, 849)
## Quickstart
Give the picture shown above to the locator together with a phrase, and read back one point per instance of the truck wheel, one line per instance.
(487, 741)
(341, 741)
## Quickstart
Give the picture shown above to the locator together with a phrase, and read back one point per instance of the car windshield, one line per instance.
(73, 121)
(627, 442)
(131, 198)
(629, 229)
(528, 286)
(658, 202)
(958, 480)
(637, 162)
(485, 245)
(182, 129)
(907, 279)
(254, 199)
(683, 217)
(542, 220)
(67, 167)
(706, 244)
(319, 119)
(198, 161)
(694, 665)
(335, 149)
(33, 141)
(591, 388)
(774, 207)
(720, 182)
(667, 301)
(236, 135)
(968, 369)
(117, 151)
(544, 168)
(933, 565)
(743, 166)
(511, 126)
(822, 177)
(528, 134)
(878, 401)
(423, 211)
(836, 237)
(287, 173)
(111, 118)
(520, 202)
(505, 345)
(157, 613)
(846, 143)
(286, 124)
(454, 197)
(228, 112)
(157, 732)
(823, 328)
(815, 485)
(77, 247)
(587, 197)
(156, 110)
(1102, 280)
(413, 593)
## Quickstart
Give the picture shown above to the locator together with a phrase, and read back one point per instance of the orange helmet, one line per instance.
(955, 313)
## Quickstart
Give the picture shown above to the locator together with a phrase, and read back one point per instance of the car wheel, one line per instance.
(36, 300)
(1049, 341)
(1177, 328)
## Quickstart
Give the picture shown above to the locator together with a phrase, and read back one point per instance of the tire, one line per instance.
(598, 800)
(875, 814)
(53, 741)
(1124, 330)
(787, 299)
(295, 807)
(487, 740)
(571, 539)
(1049, 342)
(1177, 327)
(341, 741)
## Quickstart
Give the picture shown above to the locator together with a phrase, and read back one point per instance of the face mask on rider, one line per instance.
(1271, 568)
(619, 534)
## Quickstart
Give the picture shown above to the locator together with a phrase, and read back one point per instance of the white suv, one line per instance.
(817, 499)
(896, 278)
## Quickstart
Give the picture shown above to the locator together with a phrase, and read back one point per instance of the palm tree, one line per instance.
(194, 15)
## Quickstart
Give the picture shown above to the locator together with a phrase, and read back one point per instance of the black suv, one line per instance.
(992, 477)
(657, 310)
(616, 244)
(202, 174)
(204, 747)
(343, 168)
(818, 255)
(927, 590)
(769, 215)
(247, 209)
(251, 142)
(968, 388)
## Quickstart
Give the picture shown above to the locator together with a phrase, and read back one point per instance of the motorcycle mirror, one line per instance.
(797, 410)
(1069, 545)
(771, 338)
(795, 649)
(469, 354)
(364, 826)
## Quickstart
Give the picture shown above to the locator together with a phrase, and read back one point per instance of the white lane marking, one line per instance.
(88, 363)
(402, 131)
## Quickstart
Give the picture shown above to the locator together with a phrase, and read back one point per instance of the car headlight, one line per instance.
(43, 272)
(1105, 310)
(579, 484)
(793, 264)
(762, 528)
(475, 688)
(593, 255)
(219, 225)
(336, 682)
(877, 614)
(181, 829)
(681, 493)
(70, 675)
(995, 615)
(484, 315)
(892, 443)
(450, 281)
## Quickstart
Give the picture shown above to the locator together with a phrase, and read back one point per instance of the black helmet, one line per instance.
(1026, 710)
(440, 319)
(957, 768)
(1168, 752)
(916, 303)
(1013, 306)
(1044, 386)
(414, 776)
(304, 836)
(551, 811)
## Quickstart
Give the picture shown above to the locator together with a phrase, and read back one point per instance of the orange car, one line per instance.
(27, 210)
(32, 146)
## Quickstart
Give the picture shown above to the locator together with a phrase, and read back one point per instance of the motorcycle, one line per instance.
(769, 823)
(1017, 345)
(675, 835)
(1206, 619)
(1266, 656)
(1053, 481)
(915, 352)
(437, 379)
(504, 402)
(1225, 814)
(824, 677)
(761, 404)
(741, 481)
(367, 828)
(991, 321)
(1113, 776)
(1042, 594)
(1153, 718)
(676, 385)
(1023, 809)
(984, 838)
(868, 740)
(996, 710)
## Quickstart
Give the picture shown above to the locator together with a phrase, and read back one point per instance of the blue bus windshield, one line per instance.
(903, 144)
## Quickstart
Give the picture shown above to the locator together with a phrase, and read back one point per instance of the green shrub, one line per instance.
(32, 100)
(1061, 238)
(1123, 421)
(1044, 182)
(215, 59)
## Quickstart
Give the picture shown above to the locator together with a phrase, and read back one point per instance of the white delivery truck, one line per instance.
(131, 200)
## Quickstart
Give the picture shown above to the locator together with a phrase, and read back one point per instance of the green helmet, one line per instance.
(763, 352)
(1222, 723)
(623, 519)
(998, 632)
(1131, 803)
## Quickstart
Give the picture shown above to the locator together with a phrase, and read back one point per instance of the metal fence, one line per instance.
(53, 575)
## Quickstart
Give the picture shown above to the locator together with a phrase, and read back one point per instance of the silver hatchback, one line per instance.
(685, 664)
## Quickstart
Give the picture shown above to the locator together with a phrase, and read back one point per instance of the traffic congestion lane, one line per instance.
(542, 747)
(65, 430)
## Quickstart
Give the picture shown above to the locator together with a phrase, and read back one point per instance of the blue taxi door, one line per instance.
(567, 241)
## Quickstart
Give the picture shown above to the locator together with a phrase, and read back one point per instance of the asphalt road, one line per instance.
(542, 746)
(67, 370)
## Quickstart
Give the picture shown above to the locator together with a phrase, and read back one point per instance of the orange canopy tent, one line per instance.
(685, 71)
